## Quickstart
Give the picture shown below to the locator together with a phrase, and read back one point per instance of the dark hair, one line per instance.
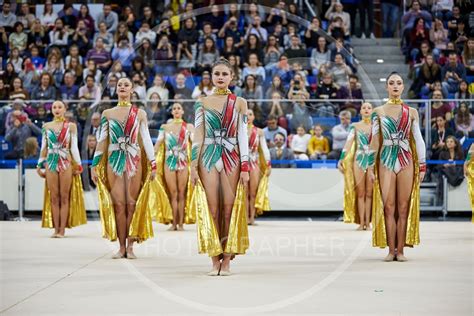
(90, 76)
(352, 76)
(393, 73)
(271, 117)
(458, 154)
(17, 24)
(224, 62)
(279, 133)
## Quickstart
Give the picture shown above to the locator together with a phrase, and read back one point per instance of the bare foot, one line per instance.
(119, 255)
(361, 227)
(389, 257)
(181, 228)
(215, 270)
(172, 228)
(401, 257)
(130, 254)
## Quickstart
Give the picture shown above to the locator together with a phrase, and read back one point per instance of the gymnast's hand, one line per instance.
(422, 175)
(244, 177)
(371, 175)
(94, 176)
(194, 176)
(340, 166)
(152, 175)
(41, 173)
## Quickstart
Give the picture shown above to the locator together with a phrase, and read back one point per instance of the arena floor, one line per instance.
(293, 267)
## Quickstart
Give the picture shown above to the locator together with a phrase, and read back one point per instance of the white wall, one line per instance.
(458, 198)
(9, 187)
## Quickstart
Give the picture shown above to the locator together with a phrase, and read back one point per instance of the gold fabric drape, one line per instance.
(470, 185)
(379, 234)
(238, 239)
(262, 201)
(351, 214)
(141, 226)
(77, 210)
(189, 212)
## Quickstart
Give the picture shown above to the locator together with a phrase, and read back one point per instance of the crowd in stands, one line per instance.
(167, 51)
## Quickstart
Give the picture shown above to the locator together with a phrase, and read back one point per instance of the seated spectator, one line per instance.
(18, 39)
(283, 70)
(207, 56)
(300, 115)
(18, 92)
(69, 90)
(351, 93)
(464, 121)
(69, 16)
(165, 57)
(48, 17)
(90, 90)
(409, 20)
(20, 131)
(256, 28)
(4, 92)
(100, 56)
(204, 88)
(439, 134)
(185, 55)
(28, 75)
(42, 116)
(25, 17)
(31, 151)
(55, 67)
(8, 75)
(452, 151)
(189, 33)
(452, 73)
(468, 57)
(339, 135)
(252, 46)
(428, 73)
(337, 10)
(340, 71)
(181, 88)
(123, 31)
(37, 60)
(299, 143)
(145, 32)
(80, 38)
(418, 34)
(38, 36)
(117, 71)
(254, 69)
(84, 15)
(7, 18)
(205, 33)
(109, 17)
(460, 37)
(15, 59)
(296, 50)
(146, 53)
(237, 77)
(59, 35)
(318, 147)
(453, 21)
(159, 88)
(277, 15)
(272, 51)
(320, 55)
(280, 152)
(124, 53)
(93, 71)
(464, 94)
(156, 112)
(272, 129)
(420, 58)
(337, 29)
(439, 37)
(275, 87)
(278, 110)
(252, 90)
(91, 145)
(76, 68)
(438, 86)
(313, 33)
(73, 52)
(111, 88)
(17, 110)
(439, 108)
(107, 37)
(344, 49)
(148, 16)
(139, 86)
(326, 90)
(138, 66)
(230, 49)
(46, 90)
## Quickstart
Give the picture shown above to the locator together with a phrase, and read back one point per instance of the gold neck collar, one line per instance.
(59, 119)
(180, 120)
(219, 91)
(395, 101)
(124, 103)
(366, 120)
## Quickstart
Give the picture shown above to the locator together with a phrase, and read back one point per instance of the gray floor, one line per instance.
(293, 267)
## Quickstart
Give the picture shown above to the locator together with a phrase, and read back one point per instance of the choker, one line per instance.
(59, 119)
(219, 91)
(124, 103)
(366, 120)
(178, 121)
(395, 101)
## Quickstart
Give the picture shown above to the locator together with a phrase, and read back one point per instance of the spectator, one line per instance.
(17, 110)
(336, 10)
(339, 134)
(117, 71)
(41, 116)
(428, 73)
(109, 17)
(420, 56)
(7, 19)
(69, 90)
(252, 90)
(468, 57)
(84, 15)
(254, 69)
(25, 17)
(452, 73)
(108, 38)
(439, 108)
(230, 28)
(318, 147)
(205, 33)
(159, 88)
(453, 21)
(15, 59)
(37, 60)
(81, 38)
(37, 36)
(277, 15)
(100, 56)
(280, 152)
(148, 16)
(123, 31)
(351, 93)
(282, 70)
(418, 34)
(439, 37)
(18, 39)
(252, 46)
(111, 88)
(207, 56)
(326, 90)
(256, 29)
(276, 109)
(73, 52)
(237, 71)
(313, 33)
(145, 32)
(464, 121)
(369, 7)
(272, 51)
(59, 35)
(139, 86)
(272, 129)
(299, 143)
(69, 16)
(439, 134)
(181, 88)
(31, 151)
(4, 92)
(165, 56)
(204, 87)
(18, 91)
(300, 115)
(55, 67)
(90, 90)
(21, 130)
(75, 67)
(339, 47)
(451, 152)
(276, 86)
(320, 55)
(410, 17)
(93, 71)
(28, 75)
(188, 33)
(95, 124)
(253, 11)
(340, 71)
(91, 145)
(8, 75)
(295, 50)
(464, 94)
(337, 29)
(298, 83)
(49, 17)
(123, 53)
(46, 89)
(156, 113)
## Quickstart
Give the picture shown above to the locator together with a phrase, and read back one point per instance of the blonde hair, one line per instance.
(31, 147)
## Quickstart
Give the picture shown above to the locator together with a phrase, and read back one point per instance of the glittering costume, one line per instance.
(220, 142)
(259, 157)
(363, 156)
(123, 145)
(470, 177)
(57, 149)
(400, 142)
(175, 154)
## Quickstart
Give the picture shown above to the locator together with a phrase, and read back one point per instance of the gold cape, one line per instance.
(161, 206)
(208, 237)
(351, 214)
(470, 185)
(379, 235)
(141, 226)
(77, 210)
(262, 202)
